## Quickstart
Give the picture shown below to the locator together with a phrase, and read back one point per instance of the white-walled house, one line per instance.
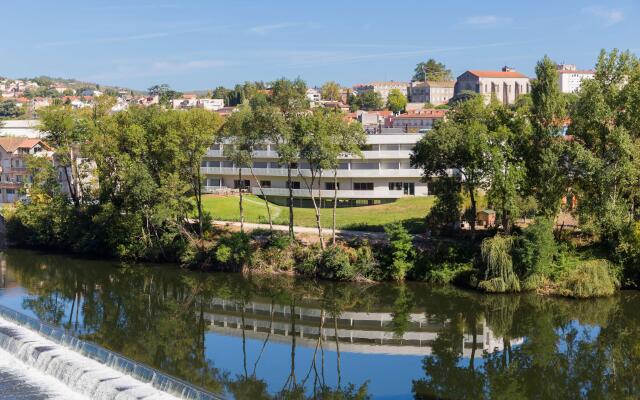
(570, 78)
(13, 168)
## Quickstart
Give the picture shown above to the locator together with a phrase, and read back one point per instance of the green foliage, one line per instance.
(446, 211)
(431, 70)
(499, 275)
(594, 278)
(401, 253)
(233, 251)
(536, 249)
(335, 263)
(396, 101)
(330, 91)
(10, 109)
(445, 263)
(369, 101)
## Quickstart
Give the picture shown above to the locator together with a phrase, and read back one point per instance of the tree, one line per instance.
(238, 148)
(164, 93)
(606, 146)
(348, 138)
(431, 70)
(368, 101)
(197, 130)
(10, 109)
(290, 98)
(396, 101)
(313, 133)
(546, 151)
(459, 145)
(330, 91)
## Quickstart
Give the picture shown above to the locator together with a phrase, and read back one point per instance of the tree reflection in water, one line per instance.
(474, 346)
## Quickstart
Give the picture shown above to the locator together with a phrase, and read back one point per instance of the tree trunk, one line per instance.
(335, 205)
(313, 199)
(506, 222)
(290, 184)
(264, 197)
(240, 185)
(474, 212)
(198, 187)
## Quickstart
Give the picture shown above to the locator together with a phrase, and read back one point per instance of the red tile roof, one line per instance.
(496, 74)
(428, 113)
(11, 143)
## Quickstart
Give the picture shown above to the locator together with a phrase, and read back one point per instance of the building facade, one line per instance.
(382, 175)
(13, 168)
(431, 92)
(382, 88)
(420, 121)
(570, 78)
(506, 85)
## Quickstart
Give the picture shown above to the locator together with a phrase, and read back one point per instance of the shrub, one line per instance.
(307, 260)
(499, 274)
(335, 263)
(535, 250)
(233, 251)
(401, 253)
(593, 278)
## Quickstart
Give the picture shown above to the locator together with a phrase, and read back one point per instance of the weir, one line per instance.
(85, 367)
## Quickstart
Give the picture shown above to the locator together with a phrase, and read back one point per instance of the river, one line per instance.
(276, 336)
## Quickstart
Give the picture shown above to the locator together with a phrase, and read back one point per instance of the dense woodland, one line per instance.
(133, 189)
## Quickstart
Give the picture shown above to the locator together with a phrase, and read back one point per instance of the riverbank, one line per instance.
(245, 336)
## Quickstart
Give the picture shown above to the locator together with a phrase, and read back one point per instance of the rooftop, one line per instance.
(496, 74)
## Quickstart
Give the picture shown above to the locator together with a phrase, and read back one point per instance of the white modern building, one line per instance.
(382, 175)
(570, 78)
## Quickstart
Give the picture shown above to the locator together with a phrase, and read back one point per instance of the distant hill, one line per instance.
(75, 84)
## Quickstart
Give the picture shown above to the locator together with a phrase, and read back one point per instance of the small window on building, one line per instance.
(19, 178)
(363, 186)
(395, 185)
(294, 185)
(265, 184)
(330, 185)
(241, 184)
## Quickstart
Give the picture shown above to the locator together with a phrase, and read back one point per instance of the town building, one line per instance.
(506, 85)
(420, 121)
(383, 174)
(26, 128)
(13, 168)
(431, 92)
(383, 88)
(570, 78)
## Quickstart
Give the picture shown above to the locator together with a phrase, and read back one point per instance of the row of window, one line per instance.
(245, 183)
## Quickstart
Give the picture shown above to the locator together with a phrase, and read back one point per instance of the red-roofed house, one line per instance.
(570, 78)
(13, 170)
(506, 85)
(418, 121)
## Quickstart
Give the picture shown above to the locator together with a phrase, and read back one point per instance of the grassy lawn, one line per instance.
(409, 210)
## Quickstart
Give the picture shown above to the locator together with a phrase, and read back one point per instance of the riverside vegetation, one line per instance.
(133, 185)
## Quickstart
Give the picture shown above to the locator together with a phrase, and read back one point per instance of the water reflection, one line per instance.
(277, 337)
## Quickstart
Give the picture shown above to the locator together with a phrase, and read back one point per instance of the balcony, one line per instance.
(342, 194)
(342, 173)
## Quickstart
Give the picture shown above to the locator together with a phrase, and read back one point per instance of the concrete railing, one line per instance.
(342, 173)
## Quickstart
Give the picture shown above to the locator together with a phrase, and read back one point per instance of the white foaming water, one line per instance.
(84, 376)
(31, 377)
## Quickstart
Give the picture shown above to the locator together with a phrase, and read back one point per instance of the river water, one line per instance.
(278, 337)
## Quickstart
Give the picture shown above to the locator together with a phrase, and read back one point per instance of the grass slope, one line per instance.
(409, 210)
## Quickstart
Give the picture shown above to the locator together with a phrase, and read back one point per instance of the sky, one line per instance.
(202, 44)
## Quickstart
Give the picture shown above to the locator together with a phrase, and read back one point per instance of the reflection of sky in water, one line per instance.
(389, 376)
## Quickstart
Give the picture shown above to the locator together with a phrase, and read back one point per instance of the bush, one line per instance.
(400, 254)
(335, 263)
(499, 274)
(446, 263)
(233, 251)
(535, 250)
(593, 278)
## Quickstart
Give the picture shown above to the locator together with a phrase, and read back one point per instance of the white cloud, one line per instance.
(105, 40)
(608, 16)
(266, 29)
(484, 20)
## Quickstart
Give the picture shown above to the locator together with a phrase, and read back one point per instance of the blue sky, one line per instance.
(193, 44)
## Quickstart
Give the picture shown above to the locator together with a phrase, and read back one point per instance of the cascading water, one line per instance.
(85, 367)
